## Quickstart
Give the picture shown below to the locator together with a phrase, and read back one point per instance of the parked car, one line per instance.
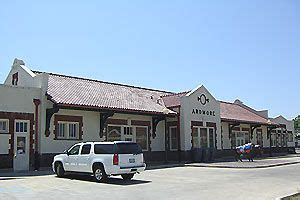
(102, 159)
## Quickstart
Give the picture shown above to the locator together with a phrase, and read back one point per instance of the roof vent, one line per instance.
(18, 62)
(239, 102)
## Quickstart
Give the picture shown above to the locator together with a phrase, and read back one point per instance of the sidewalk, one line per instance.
(258, 163)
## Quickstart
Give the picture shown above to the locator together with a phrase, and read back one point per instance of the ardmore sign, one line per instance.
(203, 112)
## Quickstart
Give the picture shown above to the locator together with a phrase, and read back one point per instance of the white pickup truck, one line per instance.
(102, 159)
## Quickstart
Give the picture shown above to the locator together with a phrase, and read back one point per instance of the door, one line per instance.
(84, 159)
(21, 145)
(72, 158)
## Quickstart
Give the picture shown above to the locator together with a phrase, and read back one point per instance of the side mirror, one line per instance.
(66, 152)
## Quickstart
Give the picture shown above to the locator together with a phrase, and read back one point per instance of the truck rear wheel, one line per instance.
(99, 174)
(127, 177)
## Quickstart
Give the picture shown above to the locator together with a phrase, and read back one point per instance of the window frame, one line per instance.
(7, 126)
(67, 130)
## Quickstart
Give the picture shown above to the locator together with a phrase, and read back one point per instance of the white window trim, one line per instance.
(7, 125)
(22, 121)
(67, 134)
(170, 138)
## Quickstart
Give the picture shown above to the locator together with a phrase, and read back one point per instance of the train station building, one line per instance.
(42, 114)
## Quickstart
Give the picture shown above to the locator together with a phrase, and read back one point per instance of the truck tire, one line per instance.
(60, 172)
(127, 177)
(99, 174)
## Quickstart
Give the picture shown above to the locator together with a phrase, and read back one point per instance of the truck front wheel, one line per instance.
(60, 172)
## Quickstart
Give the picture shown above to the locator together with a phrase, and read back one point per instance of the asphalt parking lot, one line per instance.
(170, 183)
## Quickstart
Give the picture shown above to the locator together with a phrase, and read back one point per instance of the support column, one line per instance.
(36, 102)
(269, 134)
(103, 122)
(252, 128)
(230, 127)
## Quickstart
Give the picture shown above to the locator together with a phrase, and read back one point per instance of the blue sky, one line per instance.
(238, 49)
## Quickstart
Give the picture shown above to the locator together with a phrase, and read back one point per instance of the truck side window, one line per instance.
(86, 148)
(74, 150)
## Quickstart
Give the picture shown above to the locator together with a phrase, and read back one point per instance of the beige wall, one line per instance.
(91, 128)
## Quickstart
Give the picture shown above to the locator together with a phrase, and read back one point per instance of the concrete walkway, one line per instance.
(258, 163)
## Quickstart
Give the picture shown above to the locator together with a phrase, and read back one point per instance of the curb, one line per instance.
(242, 167)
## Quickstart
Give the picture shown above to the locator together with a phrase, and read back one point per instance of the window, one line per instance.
(142, 137)
(203, 138)
(240, 138)
(113, 133)
(104, 149)
(74, 150)
(195, 137)
(73, 130)
(173, 138)
(3, 126)
(85, 149)
(21, 127)
(211, 137)
(14, 79)
(273, 140)
(128, 133)
(61, 130)
(67, 130)
(259, 137)
(290, 136)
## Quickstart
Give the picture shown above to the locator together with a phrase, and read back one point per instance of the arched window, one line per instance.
(113, 133)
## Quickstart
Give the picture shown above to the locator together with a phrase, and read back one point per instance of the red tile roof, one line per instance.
(229, 111)
(81, 92)
(173, 100)
(236, 113)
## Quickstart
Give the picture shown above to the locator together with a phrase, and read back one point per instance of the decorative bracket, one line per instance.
(252, 128)
(103, 121)
(155, 121)
(49, 113)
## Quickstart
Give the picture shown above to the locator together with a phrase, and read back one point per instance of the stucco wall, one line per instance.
(18, 99)
(91, 128)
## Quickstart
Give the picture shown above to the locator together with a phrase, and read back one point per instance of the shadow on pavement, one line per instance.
(24, 174)
(111, 180)
(8, 179)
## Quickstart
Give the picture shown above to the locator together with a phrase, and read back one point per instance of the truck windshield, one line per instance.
(128, 148)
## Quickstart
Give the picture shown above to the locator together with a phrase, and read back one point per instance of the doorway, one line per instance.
(21, 145)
